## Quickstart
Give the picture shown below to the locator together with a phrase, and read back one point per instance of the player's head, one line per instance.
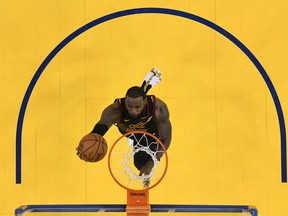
(135, 101)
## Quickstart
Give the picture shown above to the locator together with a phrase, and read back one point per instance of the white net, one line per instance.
(131, 153)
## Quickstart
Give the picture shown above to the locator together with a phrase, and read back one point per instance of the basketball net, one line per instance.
(123, 170)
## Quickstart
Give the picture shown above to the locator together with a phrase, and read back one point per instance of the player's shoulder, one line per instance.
(161, 110)
(113, 108)
(159, 102)
(112, 112)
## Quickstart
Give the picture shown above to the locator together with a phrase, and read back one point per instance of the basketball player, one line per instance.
(138, 111)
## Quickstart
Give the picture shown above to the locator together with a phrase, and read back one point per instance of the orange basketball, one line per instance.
(92, 148)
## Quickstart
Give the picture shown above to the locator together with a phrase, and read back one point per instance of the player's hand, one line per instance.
(146, 171)
(147, 168)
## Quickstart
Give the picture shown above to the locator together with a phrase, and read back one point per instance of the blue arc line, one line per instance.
(156, 11)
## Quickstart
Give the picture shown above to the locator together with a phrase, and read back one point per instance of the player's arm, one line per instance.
(109, 115)
(165, 134)
(163, 124)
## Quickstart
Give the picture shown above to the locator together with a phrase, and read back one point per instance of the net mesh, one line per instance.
(123, 156)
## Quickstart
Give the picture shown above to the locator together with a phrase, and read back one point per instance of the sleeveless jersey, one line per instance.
(144, 122)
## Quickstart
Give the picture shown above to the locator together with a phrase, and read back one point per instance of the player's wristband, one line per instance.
(100, 129)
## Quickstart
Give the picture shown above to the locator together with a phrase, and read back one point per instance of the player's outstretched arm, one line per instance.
(165, 134)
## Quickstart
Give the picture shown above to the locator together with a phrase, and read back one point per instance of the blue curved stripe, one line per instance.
(157, 11)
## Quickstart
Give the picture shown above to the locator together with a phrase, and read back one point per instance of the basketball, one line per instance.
(92, 148)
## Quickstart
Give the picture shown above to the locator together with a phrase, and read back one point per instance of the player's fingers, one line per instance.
(146, 184)
(142, 171)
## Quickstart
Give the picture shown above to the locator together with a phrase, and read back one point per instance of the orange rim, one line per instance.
(138, 132)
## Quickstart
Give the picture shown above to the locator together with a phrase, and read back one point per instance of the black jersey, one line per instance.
(144, 122)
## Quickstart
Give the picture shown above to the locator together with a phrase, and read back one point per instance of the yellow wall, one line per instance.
(226, 140)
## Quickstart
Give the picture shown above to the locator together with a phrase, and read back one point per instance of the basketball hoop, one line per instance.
(133, 146)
